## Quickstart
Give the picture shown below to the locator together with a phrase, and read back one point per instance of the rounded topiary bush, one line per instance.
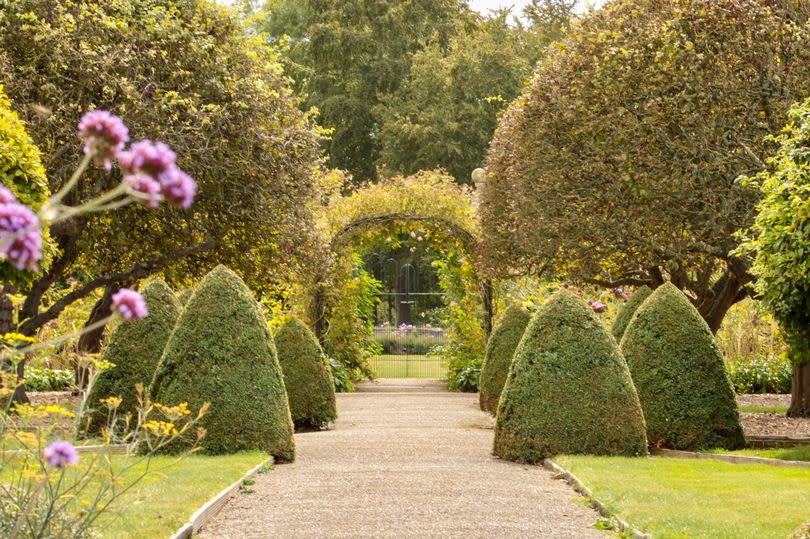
(221, 352)
(569, 390)
(500, 351)
(627, 312)
(307, 376)
(678, 370)
(135, 349)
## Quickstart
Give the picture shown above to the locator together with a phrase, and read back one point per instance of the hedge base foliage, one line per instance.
(307, 376)
(679, 373)
(627, 312)
(500, 351)
(221, 352)
(569, 390)
(135, 349)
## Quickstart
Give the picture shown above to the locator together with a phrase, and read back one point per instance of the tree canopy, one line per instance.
(779, 241)
(618, 163)
(185, 72)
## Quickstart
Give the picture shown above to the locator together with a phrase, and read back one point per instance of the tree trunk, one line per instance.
(7, 326)
(90, 342)
(800, 392)
(486, 296)
(727, 291)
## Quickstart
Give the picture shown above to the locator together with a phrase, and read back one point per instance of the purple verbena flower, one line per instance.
(6, 196)
(149, 158)
(20, 236)
(148, 189)
(178, 187)
(596, 306)
(129, 304)
(104, 136)
(59, 454)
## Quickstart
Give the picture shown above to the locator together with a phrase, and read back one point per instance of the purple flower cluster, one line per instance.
(150, 168)
(104, 136)
(20, 233)
(619, 293)
(596, 306)
(129, 304)
(59, 454)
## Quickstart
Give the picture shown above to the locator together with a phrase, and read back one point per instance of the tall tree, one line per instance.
(185, 72)
(444, 114)
(619, 162)
(345, 54)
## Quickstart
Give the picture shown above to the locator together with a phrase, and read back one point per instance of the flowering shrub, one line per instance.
(44, 379)
(49, 489)
(760, 374)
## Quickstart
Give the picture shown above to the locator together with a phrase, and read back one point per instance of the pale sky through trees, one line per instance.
(484, 6)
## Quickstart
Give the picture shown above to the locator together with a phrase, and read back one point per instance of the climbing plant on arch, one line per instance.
(365, 217)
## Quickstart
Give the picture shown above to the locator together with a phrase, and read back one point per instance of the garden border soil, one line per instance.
(580, 488)
(213, 506)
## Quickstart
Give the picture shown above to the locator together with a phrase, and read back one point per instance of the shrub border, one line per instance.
(213, 506)
(734, 459)
(599, 507)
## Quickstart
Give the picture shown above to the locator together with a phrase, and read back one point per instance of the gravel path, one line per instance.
(404, 460)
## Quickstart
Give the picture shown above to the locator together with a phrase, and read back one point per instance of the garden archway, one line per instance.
(432, 201)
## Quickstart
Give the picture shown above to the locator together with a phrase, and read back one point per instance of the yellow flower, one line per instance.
(162, 428)
(111, 402)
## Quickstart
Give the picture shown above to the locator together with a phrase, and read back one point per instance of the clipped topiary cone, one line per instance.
(627, 312)
(569, 390)
(221, 352)
(678, 370)
(500, 351)
(135, 349)
(184, 295)
(307, 376)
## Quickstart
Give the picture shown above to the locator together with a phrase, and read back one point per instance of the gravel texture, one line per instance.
(405, 459)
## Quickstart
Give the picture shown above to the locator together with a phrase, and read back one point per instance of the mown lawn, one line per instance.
(408, 366)
(679, 498)
(765, 409)
(788, 453)
(165, 499)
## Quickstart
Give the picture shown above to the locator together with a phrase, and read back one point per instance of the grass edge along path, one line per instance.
(671, 497)
(168, 496)
(799, 453)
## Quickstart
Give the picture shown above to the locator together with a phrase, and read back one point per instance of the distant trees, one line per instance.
(409, 85)
(618, 164)
(183, 71)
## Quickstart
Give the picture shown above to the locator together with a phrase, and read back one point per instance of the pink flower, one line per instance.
(147, 157)
(59, 454)
(178, 188)
(596, 306)
(104, 136)
(20, 236)
(129, 304)
(6, 196)
(146, 189)
(413, 234)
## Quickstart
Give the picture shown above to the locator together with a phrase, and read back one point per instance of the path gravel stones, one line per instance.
(405, 459)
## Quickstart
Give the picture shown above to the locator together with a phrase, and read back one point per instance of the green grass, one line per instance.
(764, 409)
(408, 366)
(787, 453)
(165, 499)
(680, 498)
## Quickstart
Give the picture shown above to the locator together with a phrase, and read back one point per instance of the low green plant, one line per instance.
(221, 352)
(500, 351)
(45, 379)
(678, 370)
(342, 376)
(568, 390)
(464, 376)
(752, 374)
(307, 376)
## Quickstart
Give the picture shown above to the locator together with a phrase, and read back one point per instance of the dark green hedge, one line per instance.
(500, 351)
(678, 370)
(307, 376)
(569, 390)
(222, 352)
(135, 349)
(627, 312)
